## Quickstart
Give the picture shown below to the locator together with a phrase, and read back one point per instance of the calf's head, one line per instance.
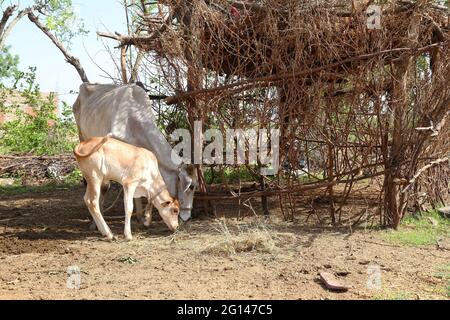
(169, 212)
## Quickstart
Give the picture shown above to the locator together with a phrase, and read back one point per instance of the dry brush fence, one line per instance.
(355, 103)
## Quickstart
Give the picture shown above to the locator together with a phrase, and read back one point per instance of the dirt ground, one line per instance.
(42, 235)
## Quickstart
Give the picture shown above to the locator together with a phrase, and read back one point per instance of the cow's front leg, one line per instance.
(139, 209)
(128, 195)
(143, 217)
(147, 219)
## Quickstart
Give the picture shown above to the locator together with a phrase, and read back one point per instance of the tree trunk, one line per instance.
(264, 202)
(394, 200)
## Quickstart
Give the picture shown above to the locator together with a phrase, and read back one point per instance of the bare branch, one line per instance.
(422, 170)
(267, 81)
(6, 16)
(127, 40)
(70, 59)
(123, 64)
(7, 30)
(136, 66)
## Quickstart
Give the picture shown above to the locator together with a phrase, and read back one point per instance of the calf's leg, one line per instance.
(103, 190)
(92, 200)
(128, 195)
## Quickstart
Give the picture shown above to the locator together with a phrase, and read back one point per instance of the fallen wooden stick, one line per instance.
(62, 156)
(3, 170)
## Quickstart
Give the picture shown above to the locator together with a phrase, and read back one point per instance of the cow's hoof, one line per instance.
(128, 237)
(146, 222)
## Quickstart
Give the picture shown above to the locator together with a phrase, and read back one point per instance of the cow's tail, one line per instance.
(78, 154)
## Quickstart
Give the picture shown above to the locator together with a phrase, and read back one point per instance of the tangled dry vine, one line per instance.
(353, 102)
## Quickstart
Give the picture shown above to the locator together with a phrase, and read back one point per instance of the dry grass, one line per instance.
(244, 238)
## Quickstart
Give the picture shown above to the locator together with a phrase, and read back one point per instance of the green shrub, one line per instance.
(417, 230)
(41, 133)
(73, 178)
(231, 175)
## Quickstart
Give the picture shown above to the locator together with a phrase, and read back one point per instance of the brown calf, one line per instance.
(105, 159)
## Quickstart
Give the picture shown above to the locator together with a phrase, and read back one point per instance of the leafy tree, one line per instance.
(62, 20)
(59, 18)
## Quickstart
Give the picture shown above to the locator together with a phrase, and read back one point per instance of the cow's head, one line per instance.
(186, 186)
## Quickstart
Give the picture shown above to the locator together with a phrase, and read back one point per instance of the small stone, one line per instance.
(304, 271)
(445, 211)
(443, 244)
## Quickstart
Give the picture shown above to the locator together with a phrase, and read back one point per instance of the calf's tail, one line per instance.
(78, 154)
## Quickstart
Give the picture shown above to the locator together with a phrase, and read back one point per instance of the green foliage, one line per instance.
(417, 230)
(231, 175)
(42, 132)
(73, 178)
(62, 19)
(8, 63)
(59, 17)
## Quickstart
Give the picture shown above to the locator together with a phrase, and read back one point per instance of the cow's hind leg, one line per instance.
(92, 200)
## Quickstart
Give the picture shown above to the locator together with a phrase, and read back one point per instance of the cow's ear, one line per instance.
(185, 181)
